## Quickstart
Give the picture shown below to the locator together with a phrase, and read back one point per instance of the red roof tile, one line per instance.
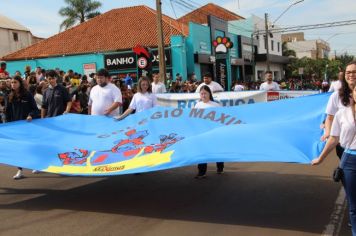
(118, 29)
(200, 15)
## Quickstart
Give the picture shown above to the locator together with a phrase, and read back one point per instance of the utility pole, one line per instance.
(162, 58)
(266, 41)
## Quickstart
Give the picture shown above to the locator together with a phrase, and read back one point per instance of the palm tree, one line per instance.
(78, 11)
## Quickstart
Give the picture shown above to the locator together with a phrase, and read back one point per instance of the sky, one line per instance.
(42, 18)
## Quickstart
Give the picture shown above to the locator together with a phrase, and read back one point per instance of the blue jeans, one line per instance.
(349, 168)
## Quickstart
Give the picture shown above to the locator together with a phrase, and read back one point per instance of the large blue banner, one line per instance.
(162, 138)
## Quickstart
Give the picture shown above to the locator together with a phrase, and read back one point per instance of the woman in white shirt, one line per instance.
(339, 100)
(206, 101)
(343, 130)
(144, 99)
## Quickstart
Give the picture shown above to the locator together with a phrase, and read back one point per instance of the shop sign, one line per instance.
(122, 61)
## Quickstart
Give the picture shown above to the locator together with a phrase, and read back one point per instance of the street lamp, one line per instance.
(267, 29)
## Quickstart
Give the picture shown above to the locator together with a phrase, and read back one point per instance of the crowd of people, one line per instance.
(48, 93)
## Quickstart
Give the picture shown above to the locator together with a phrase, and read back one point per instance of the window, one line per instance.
(15, 36)
(279, 46)
(272, 45)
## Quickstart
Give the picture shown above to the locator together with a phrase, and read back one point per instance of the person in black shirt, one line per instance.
(56, 99)
(20, 106)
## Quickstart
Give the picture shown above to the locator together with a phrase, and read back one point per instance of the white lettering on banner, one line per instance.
(188, 100)
(121, 61)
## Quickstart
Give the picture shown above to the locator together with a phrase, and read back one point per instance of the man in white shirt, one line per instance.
(336, 85)
(269, 85)
(158, 86)
(208, 80)
(105, 98)
(238, 86)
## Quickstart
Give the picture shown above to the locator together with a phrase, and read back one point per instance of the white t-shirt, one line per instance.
(38, 98)
(158, 88)
(214, 87)
(269, 87)
(334, 104)
(335, 86)
(102, 98)
(141, 102)
(239, 87)
(203, 105)
(344, 127)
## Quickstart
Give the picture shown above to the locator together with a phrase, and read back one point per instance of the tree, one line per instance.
(78, 11)
(345, 59)
(286, 51)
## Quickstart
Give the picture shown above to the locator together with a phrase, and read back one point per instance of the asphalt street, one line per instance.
(248, 199)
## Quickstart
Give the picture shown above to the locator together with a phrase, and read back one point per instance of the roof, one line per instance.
(7, 23)
(115, 30)
(200, 15)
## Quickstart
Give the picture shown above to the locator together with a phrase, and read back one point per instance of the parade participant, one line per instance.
(338, 100)
(3, 73)
(208, 80)
(105, 98)
(20, 106)
(269, 85)
(238, 86)
(206, 101)
(158, 86)
(142, 100)
(336, 85)
(56, 100)
(343, 130)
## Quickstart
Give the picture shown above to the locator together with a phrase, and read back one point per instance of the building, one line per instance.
(252, 30)
(306, 48)
(14, 36)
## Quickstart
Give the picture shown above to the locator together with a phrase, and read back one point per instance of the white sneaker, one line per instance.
(18, 175)
(35, 171)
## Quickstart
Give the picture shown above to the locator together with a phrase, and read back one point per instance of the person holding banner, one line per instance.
(339, 100)
(206, 101)
(144, 99)
(343, 130)
(208, 81)
(269, 85)
(21, 105)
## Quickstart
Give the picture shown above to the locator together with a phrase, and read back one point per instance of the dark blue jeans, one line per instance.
(349, 180)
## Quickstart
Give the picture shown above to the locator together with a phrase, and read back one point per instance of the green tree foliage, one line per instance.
(345, 59)
(78, 11)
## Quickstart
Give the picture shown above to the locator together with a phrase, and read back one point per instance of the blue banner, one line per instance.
(163, 137)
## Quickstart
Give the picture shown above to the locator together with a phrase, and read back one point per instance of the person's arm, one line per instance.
(69, 105)
(43, 113)
(327, 127)
(330, 145)
(126, 113)
(113, 107)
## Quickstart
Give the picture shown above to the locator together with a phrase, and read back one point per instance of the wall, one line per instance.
(64, 63)
(9, 45)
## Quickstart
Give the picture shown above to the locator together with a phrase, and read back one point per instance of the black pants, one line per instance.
(204, 166)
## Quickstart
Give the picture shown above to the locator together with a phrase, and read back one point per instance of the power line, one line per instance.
(314, 26)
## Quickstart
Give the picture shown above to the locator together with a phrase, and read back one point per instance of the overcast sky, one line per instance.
(42, 18)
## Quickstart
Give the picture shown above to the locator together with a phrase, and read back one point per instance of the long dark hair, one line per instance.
(22, 90)
(206, 88)
(345, 91)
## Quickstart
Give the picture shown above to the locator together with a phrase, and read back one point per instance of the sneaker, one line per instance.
(18, 175)
(200, 176)
(35, 171)
(349, 224)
